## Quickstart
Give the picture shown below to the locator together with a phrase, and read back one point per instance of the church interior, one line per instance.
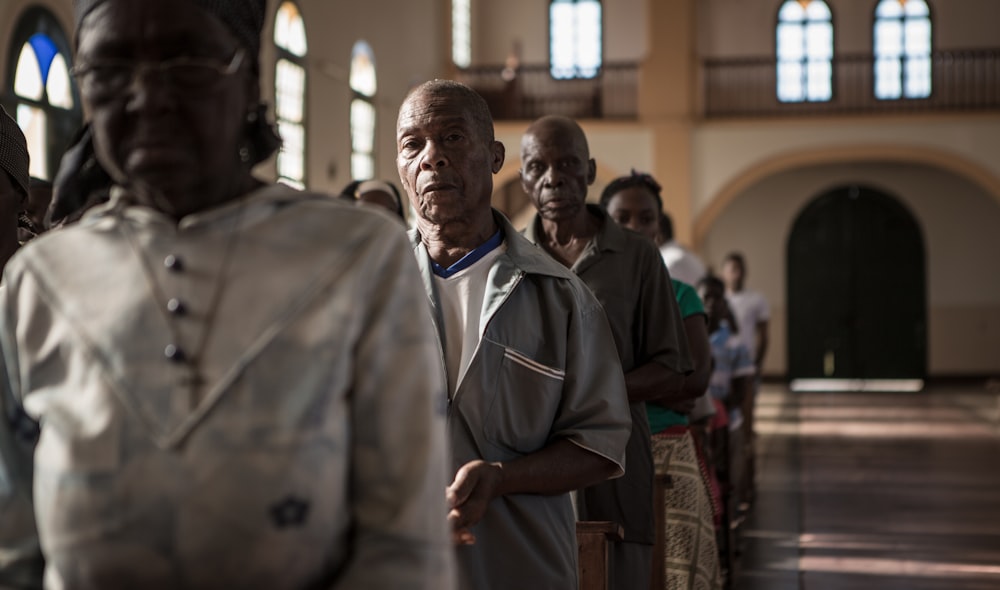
(849, 149)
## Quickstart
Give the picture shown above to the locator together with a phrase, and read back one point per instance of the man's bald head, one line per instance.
(557, 126)
(474, 104)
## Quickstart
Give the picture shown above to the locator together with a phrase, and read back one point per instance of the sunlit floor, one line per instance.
(888, 491)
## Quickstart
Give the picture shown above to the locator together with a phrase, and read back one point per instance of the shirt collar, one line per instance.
(251, 207)
(611, 236)
(521, 253)
(469, 259)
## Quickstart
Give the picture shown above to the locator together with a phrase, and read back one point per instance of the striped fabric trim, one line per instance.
(532, 365)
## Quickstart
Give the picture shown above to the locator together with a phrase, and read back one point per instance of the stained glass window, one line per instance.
(44, 100)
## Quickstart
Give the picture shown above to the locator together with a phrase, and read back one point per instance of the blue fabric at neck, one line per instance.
(470, 258)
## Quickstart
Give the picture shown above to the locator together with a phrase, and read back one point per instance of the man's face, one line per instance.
(556, 169)
(732, 274)
(445, 163)
(714, 301)
(175, 133)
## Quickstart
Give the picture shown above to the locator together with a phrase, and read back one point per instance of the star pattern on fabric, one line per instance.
(289, 512)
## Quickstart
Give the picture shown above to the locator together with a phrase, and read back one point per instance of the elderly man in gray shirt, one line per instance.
(625, 272)
(537, 403)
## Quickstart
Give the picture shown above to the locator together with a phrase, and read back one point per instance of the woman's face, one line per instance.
(173, 136)
(635, 208)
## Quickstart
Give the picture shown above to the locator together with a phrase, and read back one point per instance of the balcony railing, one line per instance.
(967, 80)
(961, 81)
(529, 92)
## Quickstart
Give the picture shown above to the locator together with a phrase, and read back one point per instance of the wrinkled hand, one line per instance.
(475, 485)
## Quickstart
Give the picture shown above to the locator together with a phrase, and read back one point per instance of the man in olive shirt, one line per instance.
(626, 273)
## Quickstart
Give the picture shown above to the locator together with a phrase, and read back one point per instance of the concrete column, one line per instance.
(668, 104)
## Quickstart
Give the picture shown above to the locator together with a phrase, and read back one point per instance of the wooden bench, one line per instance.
(593, 539)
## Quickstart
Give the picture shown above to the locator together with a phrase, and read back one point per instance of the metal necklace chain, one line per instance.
(163, 303)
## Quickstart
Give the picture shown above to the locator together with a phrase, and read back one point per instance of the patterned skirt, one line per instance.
(692, 559)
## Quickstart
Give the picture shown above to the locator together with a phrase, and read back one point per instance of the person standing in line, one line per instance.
(684, 265)
(750, 308)
(691, 503)
(537, 401)
(627, 276)
(752, 314)
(730, 385)
(211, 381)
(380, 193)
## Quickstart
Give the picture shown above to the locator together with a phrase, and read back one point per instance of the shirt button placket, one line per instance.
(173, 352)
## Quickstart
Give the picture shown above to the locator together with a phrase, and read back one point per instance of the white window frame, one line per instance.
(804, 49)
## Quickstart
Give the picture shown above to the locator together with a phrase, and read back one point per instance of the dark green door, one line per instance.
(856, 289)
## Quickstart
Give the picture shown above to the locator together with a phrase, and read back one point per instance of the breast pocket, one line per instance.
(525, 403)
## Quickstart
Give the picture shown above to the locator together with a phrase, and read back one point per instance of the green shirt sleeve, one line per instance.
(687, 299)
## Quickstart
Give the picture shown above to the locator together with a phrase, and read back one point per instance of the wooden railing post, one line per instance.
(661, 483)
(593, 539)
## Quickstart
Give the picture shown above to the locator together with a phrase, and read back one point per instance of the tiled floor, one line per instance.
(886, 491)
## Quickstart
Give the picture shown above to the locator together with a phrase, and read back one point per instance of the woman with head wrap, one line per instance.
(216, 382)
(381, 194)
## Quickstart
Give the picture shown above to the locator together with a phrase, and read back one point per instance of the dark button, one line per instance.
(173, 263)
(174, 353)
(176, 307)
(290, 512)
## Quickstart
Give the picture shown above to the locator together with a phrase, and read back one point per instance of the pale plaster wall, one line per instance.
(409, 48)
(961, 230)
(724, 151)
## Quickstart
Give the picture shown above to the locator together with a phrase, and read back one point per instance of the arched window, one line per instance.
(575, 38)
(461, 33)
(805, 51)
(45, 99)
(290, 93)
(902, 49)
(363, 85)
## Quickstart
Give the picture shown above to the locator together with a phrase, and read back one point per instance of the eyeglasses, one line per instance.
(108, 78)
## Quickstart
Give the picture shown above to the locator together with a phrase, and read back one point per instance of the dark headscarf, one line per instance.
(79, 184)
(14, 159)
(245, 18)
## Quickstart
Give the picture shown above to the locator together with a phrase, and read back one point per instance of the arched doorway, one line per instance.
(857, 290)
